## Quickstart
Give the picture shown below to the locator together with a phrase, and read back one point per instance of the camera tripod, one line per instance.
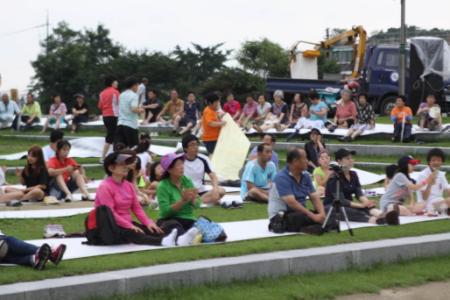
(337, 207)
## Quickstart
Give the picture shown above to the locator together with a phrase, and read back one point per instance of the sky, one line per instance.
(161, 25)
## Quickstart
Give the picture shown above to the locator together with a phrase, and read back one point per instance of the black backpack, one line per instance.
(101, 227)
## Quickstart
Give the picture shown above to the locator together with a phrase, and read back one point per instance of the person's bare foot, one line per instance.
(145, 122)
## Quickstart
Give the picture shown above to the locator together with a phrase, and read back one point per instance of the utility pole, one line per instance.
(47, 25)
(402, 64)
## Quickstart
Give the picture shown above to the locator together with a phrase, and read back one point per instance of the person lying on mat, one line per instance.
(322, 173)
(401, 116)
(287, 197)
(258, 176)
(429, 113)
(431, 197)
(196, 166)
(401, 188)
(119, 195)
(34, 176)
(177, 197)
(270, 140)
(56, 114)
(364, 120)
(363, 210)
(18, 252)
(67, 175)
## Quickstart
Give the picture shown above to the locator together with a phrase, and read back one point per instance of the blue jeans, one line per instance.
(19, 252)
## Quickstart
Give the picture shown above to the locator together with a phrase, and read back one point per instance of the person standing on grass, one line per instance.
(18, 252)
(401, 187)
(288, 194)
(119, 195)
(258, 176)
(177, 198)
(432, 198)
(109, 107)
(68, 175)
(128, 124)
(211, 122)
(56, 114)
(196, 166)
(34, 176)
(401, 116)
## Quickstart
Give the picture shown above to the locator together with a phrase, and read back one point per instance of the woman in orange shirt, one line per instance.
(211, 122)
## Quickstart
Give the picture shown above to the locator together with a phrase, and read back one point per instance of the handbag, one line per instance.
(211, 231)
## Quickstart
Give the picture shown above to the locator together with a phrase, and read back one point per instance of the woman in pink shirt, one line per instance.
(109, 106)
(56, 114)
(345, 110)
(249, 113)
(119, 196)
(232, 106)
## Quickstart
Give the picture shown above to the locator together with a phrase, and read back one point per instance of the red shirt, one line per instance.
(232, 107)
(109, 102)
(55, 163)
(346, 110)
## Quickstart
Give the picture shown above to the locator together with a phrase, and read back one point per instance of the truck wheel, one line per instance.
(387, 105)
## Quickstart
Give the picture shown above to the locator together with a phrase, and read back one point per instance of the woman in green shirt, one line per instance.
(177, 196)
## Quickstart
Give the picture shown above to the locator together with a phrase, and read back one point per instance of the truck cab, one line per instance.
(381, 75)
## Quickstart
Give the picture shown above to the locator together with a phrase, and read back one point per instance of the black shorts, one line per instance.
(111, 126)
(80, 119)
(56, 191)
(210, 146)
(185, 121)
(127, 136)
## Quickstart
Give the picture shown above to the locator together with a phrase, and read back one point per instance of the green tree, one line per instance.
(264, 58)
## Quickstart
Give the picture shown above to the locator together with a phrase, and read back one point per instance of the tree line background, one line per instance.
(74, 61)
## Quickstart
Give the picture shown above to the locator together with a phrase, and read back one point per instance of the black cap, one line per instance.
(315, 131)
(187, 139)
(343, 152)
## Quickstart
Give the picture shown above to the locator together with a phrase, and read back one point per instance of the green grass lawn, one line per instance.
(313, 285)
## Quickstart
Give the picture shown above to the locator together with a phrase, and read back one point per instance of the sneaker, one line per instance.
(188, 238)
(86, 198)
(170, 239)
(14, 203)
(235, 204)
(68, 198)
(57, 254)
(41, 257)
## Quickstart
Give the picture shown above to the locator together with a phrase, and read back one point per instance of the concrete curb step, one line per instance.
(222, 270)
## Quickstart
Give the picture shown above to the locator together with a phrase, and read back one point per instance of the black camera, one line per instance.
(335, 167)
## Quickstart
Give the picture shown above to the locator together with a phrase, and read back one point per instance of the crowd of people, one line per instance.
(176, 183)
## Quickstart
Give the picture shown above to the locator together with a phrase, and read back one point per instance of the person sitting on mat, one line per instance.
(401, 188)
(177, 197)
(278, 115)
(270, 140)
(262, 110)
(67, 175)
(232, 106)
(346, 112)
(364, 120)
(362, 211)
(56, 114)
(196, 166)
(429, 113)
(313, 148)
(402, 117)
(173, 111)
(258, 176)
(18, 252)
(80, 112)
(137, 178)
(34, 176)
(287, 197)
(119, 195)
(390, 172)
(9, 111)
(248, 113)
(322, 173)
(431, 198)
(55, 137)
(31, 113)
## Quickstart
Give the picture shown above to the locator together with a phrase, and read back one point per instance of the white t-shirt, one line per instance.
(196, 169)
(141, 93)
(437, 189)
(48, 153)
(145, 158)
